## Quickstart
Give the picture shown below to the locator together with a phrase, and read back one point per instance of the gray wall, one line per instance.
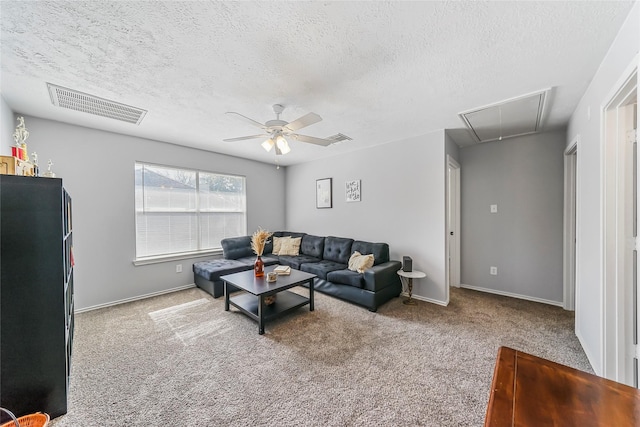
(586, 122)
(524, 177)
(402, 186)
(8, 126)
(97, 169)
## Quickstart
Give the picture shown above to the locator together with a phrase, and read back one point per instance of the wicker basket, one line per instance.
(32, 420)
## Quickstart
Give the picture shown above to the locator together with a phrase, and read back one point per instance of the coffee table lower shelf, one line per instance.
(285, 301)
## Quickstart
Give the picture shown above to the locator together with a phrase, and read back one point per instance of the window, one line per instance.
(181, 211)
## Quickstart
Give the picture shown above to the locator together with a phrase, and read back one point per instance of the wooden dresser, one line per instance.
(531, 391)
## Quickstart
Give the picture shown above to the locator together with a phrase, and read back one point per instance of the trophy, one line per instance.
(49, 173)
(20, 136)
(36, 170)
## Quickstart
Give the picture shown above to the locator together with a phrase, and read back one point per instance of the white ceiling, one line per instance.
(375, 71)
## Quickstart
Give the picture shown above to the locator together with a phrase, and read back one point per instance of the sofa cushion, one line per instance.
(212, 270)
(321, 268)
(337, 249)
(359, 262)
(346, 277)
(236, 247)
(251, 260)
(297, 261)
(380, 251)
(268, 246)
(312, 246)
(269, 260)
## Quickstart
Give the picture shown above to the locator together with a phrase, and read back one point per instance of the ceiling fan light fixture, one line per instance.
(276, 130)
(268, 144)
(282, 144)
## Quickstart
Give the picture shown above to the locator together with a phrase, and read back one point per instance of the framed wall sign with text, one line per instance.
(352, 190)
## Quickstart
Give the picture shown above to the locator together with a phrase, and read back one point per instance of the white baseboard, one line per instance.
(139, 297)
(419, 298)
(512, 295)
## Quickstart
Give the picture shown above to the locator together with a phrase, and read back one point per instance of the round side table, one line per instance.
(407, 277)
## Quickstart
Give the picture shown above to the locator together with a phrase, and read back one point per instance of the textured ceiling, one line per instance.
(375, 71)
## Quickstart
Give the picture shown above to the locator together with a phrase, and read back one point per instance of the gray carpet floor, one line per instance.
(181, 360)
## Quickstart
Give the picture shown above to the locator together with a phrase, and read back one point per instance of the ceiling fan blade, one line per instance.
(242, 138)
(251, 121)
(303, 121)
(312, 139)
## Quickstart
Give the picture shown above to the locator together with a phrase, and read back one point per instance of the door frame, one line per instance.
(452, 212)
(616, 289)
(571, 224)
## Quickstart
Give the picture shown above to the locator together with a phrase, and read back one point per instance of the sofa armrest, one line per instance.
(382, 275)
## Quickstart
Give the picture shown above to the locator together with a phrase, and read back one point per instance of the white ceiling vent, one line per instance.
(80, 101)
(514, 117)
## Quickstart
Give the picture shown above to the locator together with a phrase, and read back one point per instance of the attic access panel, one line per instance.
(507, 119)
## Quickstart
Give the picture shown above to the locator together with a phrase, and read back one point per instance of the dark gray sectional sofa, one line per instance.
(326, 257)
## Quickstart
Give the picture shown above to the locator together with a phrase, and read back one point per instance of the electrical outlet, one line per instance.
(493, 271)
(178, 268)
(493, 208)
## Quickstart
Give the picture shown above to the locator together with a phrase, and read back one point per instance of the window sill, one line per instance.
(175, 257)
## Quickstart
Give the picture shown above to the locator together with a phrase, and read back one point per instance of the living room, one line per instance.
(403, 179)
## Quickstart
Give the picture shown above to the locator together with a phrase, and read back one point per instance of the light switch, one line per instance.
(494, 208)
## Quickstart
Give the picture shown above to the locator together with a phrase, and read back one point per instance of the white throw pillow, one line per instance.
(290, 246)
(277, 244)
(360, 263)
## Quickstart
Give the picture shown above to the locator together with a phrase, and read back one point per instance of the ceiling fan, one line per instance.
(276, 131)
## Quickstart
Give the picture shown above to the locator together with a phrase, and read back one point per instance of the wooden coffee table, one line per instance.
(251, 302)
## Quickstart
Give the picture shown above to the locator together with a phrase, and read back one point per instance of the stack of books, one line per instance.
(282, 270)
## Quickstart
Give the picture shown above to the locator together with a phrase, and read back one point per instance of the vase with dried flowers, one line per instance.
(258, 242)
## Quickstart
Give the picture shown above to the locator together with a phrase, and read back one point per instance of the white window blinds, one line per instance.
(183, 211)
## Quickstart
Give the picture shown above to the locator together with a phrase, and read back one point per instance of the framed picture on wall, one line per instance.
(352, 190)
(323, 193)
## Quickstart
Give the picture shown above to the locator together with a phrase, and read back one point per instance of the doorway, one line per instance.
(453, 223)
